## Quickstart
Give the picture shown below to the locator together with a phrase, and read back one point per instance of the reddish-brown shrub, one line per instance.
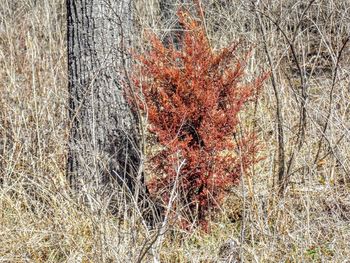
(193, 96)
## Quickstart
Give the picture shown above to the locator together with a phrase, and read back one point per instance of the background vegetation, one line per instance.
(304, 45)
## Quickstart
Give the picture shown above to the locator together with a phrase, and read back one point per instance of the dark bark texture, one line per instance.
(169, 21)
(103, 144)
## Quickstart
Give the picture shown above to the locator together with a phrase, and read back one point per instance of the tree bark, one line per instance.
(103, 140)
(169, 21)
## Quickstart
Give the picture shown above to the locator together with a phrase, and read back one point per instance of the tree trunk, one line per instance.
(103, 142)
(169, 21)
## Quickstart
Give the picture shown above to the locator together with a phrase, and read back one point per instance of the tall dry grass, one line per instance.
(41, 221)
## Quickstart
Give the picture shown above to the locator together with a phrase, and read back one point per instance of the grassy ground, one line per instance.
(40, 220)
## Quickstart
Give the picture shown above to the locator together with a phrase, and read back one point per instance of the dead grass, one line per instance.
(41, 221)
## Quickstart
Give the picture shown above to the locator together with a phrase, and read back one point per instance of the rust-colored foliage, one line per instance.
(193, 96)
